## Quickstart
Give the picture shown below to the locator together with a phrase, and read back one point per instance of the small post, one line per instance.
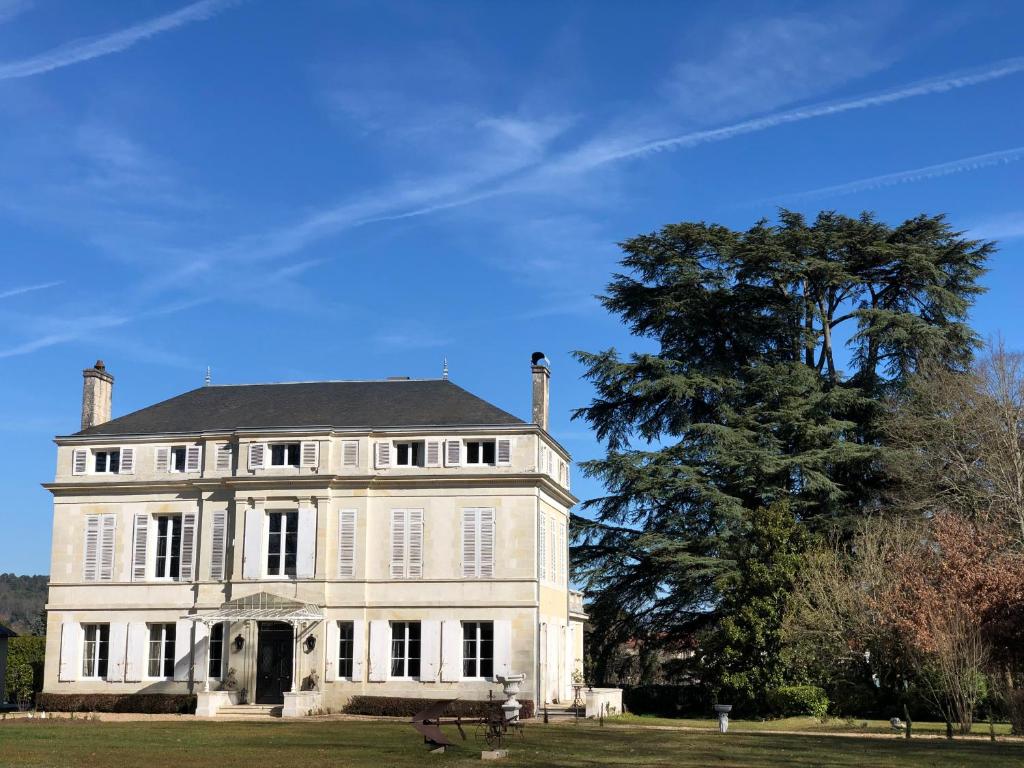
(910, 723)
(949, 730)
(991, 727)
(545, 713)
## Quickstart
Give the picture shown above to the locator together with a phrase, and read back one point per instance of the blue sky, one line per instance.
(332, 190)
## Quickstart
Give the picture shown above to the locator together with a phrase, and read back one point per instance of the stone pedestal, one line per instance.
(510, 685)
(606, 701)
(209, 702)
(302, 703)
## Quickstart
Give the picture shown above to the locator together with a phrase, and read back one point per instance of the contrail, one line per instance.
(84, 50)
(27, 289)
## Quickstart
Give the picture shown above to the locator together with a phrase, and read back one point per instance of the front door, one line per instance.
(273, 662)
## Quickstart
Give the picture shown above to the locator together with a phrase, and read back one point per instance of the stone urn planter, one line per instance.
(510, 686)
(723, 711)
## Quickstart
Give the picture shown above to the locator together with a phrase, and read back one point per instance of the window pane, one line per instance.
(114, 461)
(216, 649)
(101, 461)
(473, 453)
(414, 649)
(488, 452)
(403, 454)
(175, 547)
(275, 522)
(169, 631)
(155, 650)
(178, 455)
(103, 645)
(293, 454)
(345, 646)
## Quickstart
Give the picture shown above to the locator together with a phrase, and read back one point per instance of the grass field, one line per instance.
(810, 725)
(350, 744)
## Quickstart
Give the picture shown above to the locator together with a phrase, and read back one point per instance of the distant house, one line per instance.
(5, 634)
(309, 542)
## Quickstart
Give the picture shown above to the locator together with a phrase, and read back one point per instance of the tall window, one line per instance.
(409, 454)
(405, 649)
(282, 543)
(477, 649)
(161, 650)
(346, 639)
(479, 451)
(168, 546)
(216, 670)
(284, 455)
(178, 459)
(94, 652)
(107, 461)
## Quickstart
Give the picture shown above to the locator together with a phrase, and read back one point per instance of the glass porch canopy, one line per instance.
(262, 607)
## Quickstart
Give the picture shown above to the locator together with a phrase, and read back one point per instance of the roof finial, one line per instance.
(208, 379)
(444, 370)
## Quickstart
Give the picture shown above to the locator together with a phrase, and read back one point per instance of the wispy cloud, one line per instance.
(28, 289)
(114, 42)
(414, 340)
(12, 8)
(1003, 226)
(962, 165)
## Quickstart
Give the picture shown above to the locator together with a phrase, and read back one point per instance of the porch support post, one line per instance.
(206, 677)
(295, 656)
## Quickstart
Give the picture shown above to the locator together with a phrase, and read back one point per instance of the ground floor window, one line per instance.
(161, 650)
(477, 649)
(94, 652)
(216, 651)
(346, 639)
(405, 649)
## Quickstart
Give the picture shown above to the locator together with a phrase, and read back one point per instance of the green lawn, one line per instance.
(807, 725)
(348, 744)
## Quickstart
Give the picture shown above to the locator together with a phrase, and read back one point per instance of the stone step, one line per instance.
(250, 710)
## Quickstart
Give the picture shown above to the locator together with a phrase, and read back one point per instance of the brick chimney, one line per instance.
(541, 375)
(97, 392)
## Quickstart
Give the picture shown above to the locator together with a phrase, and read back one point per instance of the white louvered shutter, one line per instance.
(193, 458)
(502, 647)
(380, 650)
(305, 561)
(116, 650)
(188, 547)
(252, 566)
(162, 459)
(358, 650)
(430, 650)
(452, 453)
(398, 539)
(139, 543)
(309, 454)
(470, 549)
(504, 451)
(332, 638)
(201, 652)
(486, 556)
(224, 457)
(182, 650)
(257, 455)
(542, 540)
(433, 453)
(553, 550)
(382, 459)
(218, 544)
(415, 563)
(346, 544)
(563, 547)
(127, 465)
(91, 558)
(108, 532)
(135, 658)
(451, 651)
(80, 461)
(70, 651)
(350, 453)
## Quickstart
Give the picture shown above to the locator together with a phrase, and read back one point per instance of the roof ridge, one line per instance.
(323, 381)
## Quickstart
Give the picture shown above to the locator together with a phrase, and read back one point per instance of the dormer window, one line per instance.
(284, 455)
(178, 459)
(107, 461)
(480, 452)
(409, 454)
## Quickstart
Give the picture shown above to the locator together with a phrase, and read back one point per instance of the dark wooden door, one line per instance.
(273, 663)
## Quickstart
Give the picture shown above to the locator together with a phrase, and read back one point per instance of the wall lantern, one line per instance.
(310, 643)
(239, 642)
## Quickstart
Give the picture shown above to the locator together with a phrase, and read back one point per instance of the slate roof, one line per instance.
(339, 404)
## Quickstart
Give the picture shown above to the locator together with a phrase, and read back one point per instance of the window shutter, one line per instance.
(430, 650)
(331, 637)
(433, 453)
(486, 544)
(383, 459)
(502, 647)
(127, 466)
(188, 546)
(252, 567)
(350, 453)
(135, 659)
(451, 651)
(139, 547)
(542, 536)
(452, 453)
(309, 454)
(182, 650)
(562, 547)
(305, 563)
(346, 544)
(470, 553)
(543, 460)
(70, 651)
(108, 530)
(224, 457)
(358, 650)
(257, 455)
(380, 650)
(551, 458)
(415, 543)
(552, 550)
(90, 561)
(398, 527)
(201, 651)
(504, 451)
(218, 544)
(193, 458)
(79, 461)
(116, 650)
(163, 459)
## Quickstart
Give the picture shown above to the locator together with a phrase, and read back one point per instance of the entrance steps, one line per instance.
(559, 713)
(250, 711)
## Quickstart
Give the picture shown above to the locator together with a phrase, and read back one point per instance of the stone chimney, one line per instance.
(541, 375)
(97, 392)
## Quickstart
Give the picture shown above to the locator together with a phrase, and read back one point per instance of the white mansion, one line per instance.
(304, 543)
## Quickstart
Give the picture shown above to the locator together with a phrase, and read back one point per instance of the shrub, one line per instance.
(145, 703)
(667, 700)
(25, 659)
(795, 700)
(394, 706)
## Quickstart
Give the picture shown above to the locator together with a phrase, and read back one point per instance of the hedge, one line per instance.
(796, 700)
(145, 703)
(394, 706)
(693, 700)
(25, 659)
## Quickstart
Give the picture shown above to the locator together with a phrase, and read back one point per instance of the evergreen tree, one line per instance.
(775, 349)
